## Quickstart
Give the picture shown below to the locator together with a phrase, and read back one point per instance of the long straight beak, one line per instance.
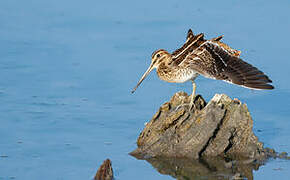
(143, 77)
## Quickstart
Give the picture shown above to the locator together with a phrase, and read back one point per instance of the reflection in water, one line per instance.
(209, 168)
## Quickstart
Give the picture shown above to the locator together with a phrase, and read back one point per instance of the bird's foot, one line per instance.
(182, 105)
(190, 105)
(192, 99)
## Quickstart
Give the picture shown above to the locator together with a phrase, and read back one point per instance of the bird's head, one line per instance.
(158, 57)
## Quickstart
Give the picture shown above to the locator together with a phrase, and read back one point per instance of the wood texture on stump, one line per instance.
(221, 127)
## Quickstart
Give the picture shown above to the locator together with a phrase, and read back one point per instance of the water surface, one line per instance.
(67, 68)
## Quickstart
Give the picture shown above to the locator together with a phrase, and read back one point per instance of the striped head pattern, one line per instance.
(159, 57)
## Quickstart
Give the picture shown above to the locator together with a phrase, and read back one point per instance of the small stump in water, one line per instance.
(221, 127)
(105, 171)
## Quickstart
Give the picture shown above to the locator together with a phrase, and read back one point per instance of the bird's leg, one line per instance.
(191, 104)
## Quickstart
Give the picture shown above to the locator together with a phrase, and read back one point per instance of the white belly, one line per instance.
(183, 77)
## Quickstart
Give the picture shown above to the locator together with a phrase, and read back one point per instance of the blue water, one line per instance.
(67, 68)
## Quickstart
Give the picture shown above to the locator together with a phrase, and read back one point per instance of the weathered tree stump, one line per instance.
(221, 127)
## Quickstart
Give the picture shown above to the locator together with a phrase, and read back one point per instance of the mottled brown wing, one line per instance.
(193, 42)
(189, 36)
(213, 61)
(189, 46)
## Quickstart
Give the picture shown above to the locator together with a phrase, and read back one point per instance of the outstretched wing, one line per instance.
(214, 61)
(195, 41)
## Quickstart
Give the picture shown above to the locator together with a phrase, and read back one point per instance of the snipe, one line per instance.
(210, 58)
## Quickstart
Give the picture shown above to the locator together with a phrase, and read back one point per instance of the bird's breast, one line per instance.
(176, 75)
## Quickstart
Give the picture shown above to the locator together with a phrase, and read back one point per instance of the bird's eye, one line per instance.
(158, 55)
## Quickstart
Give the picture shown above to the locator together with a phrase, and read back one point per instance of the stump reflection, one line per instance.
(206, 168)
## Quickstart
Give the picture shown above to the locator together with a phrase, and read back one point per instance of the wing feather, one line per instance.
(217, 63)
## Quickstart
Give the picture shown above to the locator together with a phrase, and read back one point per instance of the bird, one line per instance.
(209, 58)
